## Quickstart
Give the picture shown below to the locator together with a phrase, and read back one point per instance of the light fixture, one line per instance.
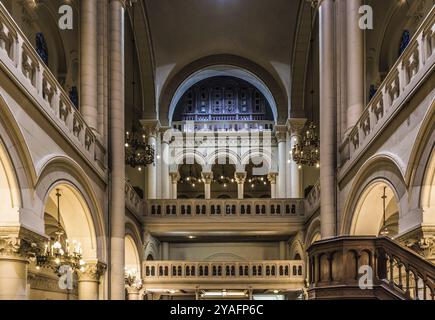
(137, 152)
(61, 252)
(384, 231)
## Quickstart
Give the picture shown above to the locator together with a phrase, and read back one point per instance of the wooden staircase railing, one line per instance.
(359, 267)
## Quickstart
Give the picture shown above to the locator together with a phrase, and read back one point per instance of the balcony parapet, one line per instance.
(20, 61)
(226, 208)
(412, 68)
(312, 201)
(222, 123)
(133, 202)
(281, 274)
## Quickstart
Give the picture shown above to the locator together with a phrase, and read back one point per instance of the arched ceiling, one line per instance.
(257, 30)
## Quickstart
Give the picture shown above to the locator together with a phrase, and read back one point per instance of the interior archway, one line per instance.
(428, 193)
(132, 259)
(369, 213)
(75, 218)
(9, 190)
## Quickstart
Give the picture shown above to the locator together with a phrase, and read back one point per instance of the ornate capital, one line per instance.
(92, 271)
(272, 177)
(175, 176)
(151, 127)
(421, 240)
(207, 177)
(281, 133)
(166, 133)
(240, 177)
(296, 125)
(19, 243)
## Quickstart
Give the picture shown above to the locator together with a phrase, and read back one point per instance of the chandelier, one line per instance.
(137, 152)
(384, 231)
(257, 181)
(223, 179)
(306, 153)
(60, 252)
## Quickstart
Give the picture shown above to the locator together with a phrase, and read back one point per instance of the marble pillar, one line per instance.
(272, 180)
(117, 207)
(175, 177)
(207, 177)
(240, 178)
(281, 136)
(89, 280)
(327, 119)
(89, 62)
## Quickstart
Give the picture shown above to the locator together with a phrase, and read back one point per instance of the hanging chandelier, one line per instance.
(307, 152)
(384, 231)
(223, 179)
(137, 152)
(257, 181)
(59, 251)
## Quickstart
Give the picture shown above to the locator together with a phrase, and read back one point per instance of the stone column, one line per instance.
(165, 162)
(207, 177)
(89, 62)
(13, 267)
(295, 129)
(117, 208)
(272, 179)
(151, 128)
(175, 177)
(165, 251)
(327, 119)
(281, 136)
(355, 63)
(133, 293)
(89, 280)
(240, 179)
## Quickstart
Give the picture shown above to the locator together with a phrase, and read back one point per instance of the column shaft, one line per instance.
(152, 172)
(282, 168)
(88, 289)
(13, 279)
(117, 154)
(355, 63)
(327, 119)
(166, 189)
(89, 62)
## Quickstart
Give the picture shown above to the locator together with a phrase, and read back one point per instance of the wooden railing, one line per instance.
(228, 208)
(279, 272)
(414, 65)
(368, 267)
(20, 61)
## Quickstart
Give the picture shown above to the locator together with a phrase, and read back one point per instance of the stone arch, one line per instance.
(223, 256)
(420, 174)
(265, 155)
(378, 169)
(81, 213)
(313, 232)
(132, 256)
(151, 249)
(209, 66)
(192, 154)
(296, 249)
(225, 153)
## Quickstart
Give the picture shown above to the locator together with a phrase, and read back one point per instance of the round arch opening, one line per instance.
(75, 218)
(222, 71)
(369, 217)
(132, 259)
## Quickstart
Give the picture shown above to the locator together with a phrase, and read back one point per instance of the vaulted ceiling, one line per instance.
(257, 30)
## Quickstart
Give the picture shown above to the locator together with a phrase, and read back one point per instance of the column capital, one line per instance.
(207, 177)
(151, 127)
(271, 176)
(240, 177)
(295, 125)
(175, 176)
(166, 133)
(92, 271)
(281, 133)
(124, 3)
(19, 243)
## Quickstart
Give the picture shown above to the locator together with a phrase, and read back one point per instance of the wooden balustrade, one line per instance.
(338, 267)
(23, 65)
(413, 66)
(227, 208)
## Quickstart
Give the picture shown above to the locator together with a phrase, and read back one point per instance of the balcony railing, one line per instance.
(312, 202)
(411, 69)
(223, 123)
(23, 65)
(132, 200)
(337, 268)
(228, 208)
(285, 274)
